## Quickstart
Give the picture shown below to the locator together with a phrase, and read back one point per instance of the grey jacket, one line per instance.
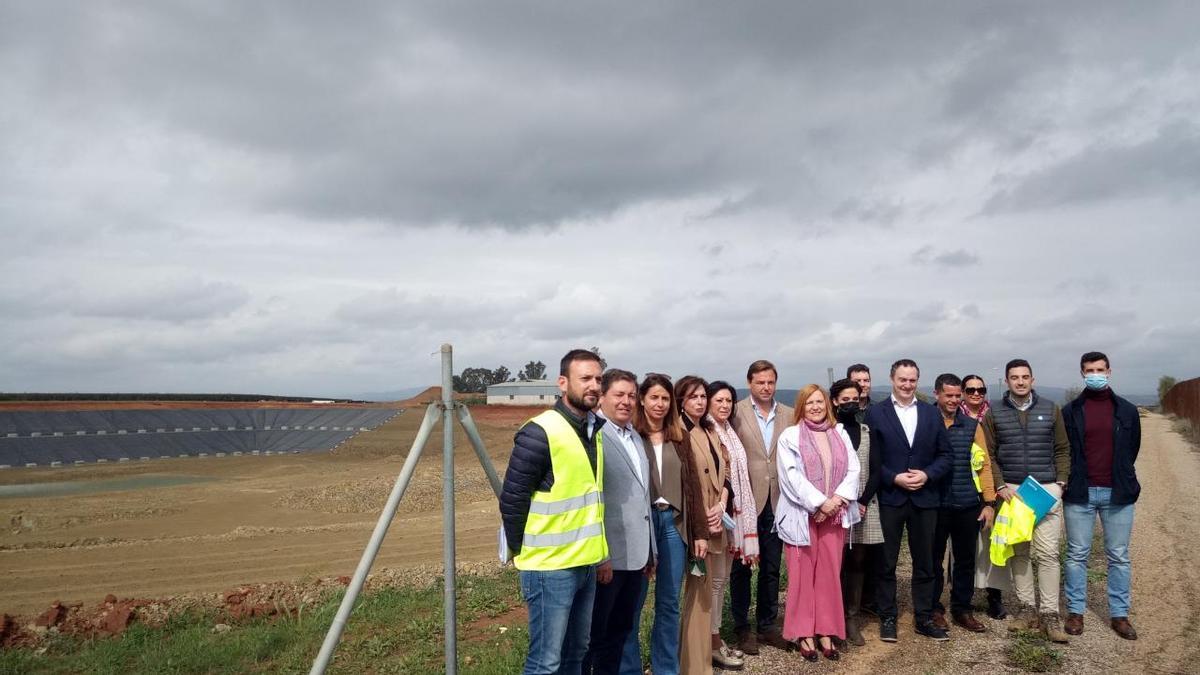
(628, 527)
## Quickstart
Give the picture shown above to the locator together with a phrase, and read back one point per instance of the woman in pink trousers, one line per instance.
(818, 486)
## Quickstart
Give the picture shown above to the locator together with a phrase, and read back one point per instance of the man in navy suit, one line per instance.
(910, 454)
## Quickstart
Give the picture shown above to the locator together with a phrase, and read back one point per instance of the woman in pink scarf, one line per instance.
(743, 539)
(818, 487)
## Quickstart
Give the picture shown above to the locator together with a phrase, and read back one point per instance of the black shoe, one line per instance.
(931, 631)
(995, 602)
(887, 629)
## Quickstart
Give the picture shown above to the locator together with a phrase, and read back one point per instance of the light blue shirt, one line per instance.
(766, 426)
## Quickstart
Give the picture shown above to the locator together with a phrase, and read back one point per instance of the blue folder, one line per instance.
(1036, 497)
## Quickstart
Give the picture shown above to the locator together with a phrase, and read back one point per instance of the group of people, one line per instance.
(624, 481)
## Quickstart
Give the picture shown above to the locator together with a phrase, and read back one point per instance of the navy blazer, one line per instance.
(891, 454)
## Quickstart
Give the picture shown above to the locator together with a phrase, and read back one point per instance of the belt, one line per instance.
(662, 507)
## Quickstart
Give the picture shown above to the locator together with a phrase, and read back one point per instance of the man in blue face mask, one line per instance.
(1105, 433)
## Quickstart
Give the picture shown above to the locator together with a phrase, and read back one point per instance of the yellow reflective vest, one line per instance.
(1014, 525)
(565, 527)
(978, 457)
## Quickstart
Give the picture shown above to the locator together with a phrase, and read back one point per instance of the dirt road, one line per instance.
(241, 519)
(281, 518)
(1166, 593)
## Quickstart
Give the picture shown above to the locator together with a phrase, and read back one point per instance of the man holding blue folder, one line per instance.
(1028, 439)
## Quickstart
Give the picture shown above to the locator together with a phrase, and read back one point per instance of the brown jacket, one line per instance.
(712, 474)
(679, 486)
(760, 460)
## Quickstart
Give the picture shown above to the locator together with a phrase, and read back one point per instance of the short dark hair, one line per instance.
(857, 368)
(577, 355)
(946, 379)
(838, 387)
(1017, 363)
(614, 375)
(1094, 356)
(756, 368)
(905, 363)
(973, 376)
(720, 385)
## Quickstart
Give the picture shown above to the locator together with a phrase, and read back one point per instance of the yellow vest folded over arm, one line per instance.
(1014, 525)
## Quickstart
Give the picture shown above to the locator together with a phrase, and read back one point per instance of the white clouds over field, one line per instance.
(286, 197)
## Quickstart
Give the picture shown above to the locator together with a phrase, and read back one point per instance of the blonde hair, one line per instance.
(802, 397)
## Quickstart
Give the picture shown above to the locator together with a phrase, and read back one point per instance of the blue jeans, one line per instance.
(560, 618)
(1117, 523)
(664, 635)
(631, 655)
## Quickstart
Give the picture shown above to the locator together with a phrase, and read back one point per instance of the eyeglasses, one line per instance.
(975, 390)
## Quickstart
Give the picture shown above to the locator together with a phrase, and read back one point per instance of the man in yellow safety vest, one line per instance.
(552, 505)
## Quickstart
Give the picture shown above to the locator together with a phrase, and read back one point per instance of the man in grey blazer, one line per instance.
(621, 579)
(758, 423)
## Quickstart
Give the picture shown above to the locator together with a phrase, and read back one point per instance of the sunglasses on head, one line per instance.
(975, 390)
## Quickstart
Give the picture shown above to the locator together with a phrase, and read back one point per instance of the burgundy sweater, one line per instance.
(1098, 436)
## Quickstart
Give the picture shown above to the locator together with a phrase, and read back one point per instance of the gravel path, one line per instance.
(1166, 594)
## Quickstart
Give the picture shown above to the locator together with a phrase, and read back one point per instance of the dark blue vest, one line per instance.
(958, 489)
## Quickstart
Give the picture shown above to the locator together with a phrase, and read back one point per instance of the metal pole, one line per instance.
(368, 556)
(468, 425)
(449, 571)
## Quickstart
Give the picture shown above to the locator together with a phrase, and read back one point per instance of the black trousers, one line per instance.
(921, 525)
(770, 550)
(612, 618)
(860, 575)
(961, 527)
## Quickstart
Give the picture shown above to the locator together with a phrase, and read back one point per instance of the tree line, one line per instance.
(477, 380)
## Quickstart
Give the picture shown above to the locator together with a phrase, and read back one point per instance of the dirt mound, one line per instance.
(113, 616)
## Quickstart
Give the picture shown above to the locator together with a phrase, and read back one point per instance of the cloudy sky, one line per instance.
(308, 198)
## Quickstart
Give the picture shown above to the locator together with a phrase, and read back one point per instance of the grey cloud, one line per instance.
(928, 255)
(1168, 163)
(534, 114)
(1094, 284)
(873, 211)
(932, 313)
(187, 301)
(171, 300)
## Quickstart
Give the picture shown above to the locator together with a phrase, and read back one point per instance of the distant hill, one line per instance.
(393, 395)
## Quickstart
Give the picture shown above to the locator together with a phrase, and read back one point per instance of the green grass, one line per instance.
(1031, 652)
(394, 630)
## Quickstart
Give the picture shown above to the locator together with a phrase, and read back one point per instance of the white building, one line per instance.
(535, 392)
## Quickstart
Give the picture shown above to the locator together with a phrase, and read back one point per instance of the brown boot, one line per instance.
(1053, 630)
(747, 641)
(1121, 625)
(854, 631)
(1074, 625)
(939, 619)
(967, 620)
(775, 639)
(1025, 619)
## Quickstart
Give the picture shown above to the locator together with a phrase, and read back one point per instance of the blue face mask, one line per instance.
(1095, 380)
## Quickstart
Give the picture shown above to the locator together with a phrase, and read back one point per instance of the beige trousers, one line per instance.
(1035, 565)
(695, 645)
(720, 564)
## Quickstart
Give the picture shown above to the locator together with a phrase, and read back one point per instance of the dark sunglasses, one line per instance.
(975, 390)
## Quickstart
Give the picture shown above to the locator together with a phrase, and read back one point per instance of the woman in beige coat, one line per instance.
(712, 462)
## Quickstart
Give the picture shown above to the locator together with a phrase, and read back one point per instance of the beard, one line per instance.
(578, 400)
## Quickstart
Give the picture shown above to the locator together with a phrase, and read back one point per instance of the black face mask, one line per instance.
(847, 410)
